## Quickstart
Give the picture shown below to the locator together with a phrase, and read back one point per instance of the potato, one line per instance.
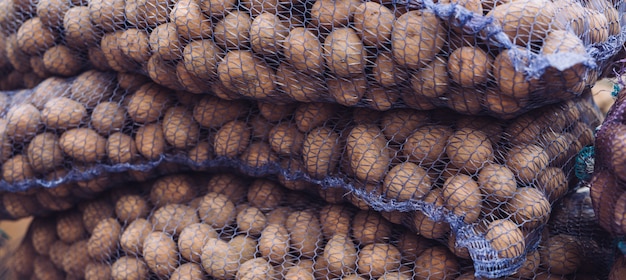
(135, 44)
(303, 51)
(406, 181)
(104, 240)
(426, 145)
(216, 210)
(398, 124)
(560, 41)
(179, 128)
(165, 43)
(369, 156)
(97, 271)
(93, 87)
(344, 52)
(147, 13)
(370, 227)
(299, 87)
(267, 32)
(411, 245)
(131, 82)
(43, 235)
(201, 58)
(17, 169)
(497, 182)
(511, 82)
(150, 141)
(234, 187)
(113, 47)
(173, 218)
(305, 232)
(526, 161)
(341, 254)
(159, 253)
(530, 266)
(21, 260)
(416, 38)
(385, 70)
(17, 58)
(469, 149)
(96, 211)
(598, 31)
(63, 61)
(424, 225)
(436, 263)
(311, 115)
(373, 22)
(257, 268)
(327, 15)
(524, 21)
(274, 242)
(57, 250)
(51, 12)
(50, 88)
(219, 260)
(192, 238)
(303, 270)
(44, 153)
(188, 271)
(561, 254)
(242, 72)
(63, 113)
(163, 72)
(213, 112)
(529, 207)
(23, 122)
(176, 188)
(43, 268)
(107, 15)
(320, 152)
(33, 37)
(335, 219)
(129, 268)
(84, 145)
(121, 148)
(189, 82)
(131, 240)
(232, 139)
(469, 66)
(378, 258)
(553, 182)
(265, 194)
(108, 117)
(233, 31)
(380, 98)
(217, 8)
(462, 196)
(76, 259)
(189, 20)
(286, 139)
(97, 59)
(131, 207)
(612, 15)
(506, 238)
(80, 32)
(19, 205)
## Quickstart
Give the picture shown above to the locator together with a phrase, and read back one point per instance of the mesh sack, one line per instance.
(225, 225)
(475, 57)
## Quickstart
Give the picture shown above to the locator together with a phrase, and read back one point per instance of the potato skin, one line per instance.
(133, 236)
(34, 38)
(83, 144)
(192, 238)
(80, 32)
(524, 21)
(506, 238)
(274, 242)
(304, 51)
(150, 141)
(108, 117)
(104, 240)
(129, 268)
(232, 139)
(374, 23)
(189, 20)
(63, 113)
(530, 207)
(267, 31)
(44, 153)
(320, 152)
(242, 72)
(23, 122)
(159, 253)
(341, 254)
(469, 66)
(369, 156)
(406, 181)
(344, 52)
(416, 37)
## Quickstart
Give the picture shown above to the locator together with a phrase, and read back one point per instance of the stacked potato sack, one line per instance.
(229, 226)
(490, 57)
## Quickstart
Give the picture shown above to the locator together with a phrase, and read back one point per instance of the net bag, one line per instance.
(224, 225)
(496, 58)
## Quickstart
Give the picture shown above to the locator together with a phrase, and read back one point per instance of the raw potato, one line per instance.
(121, 148)
(286, 139)
(44, 153)
(234, 187)
(436, 263)
(242, 72)
(406, 181)
(98, 271)
(63, 113)
(274, 242)
(51, 12)
(560, 41)
(244, 246)
(378, 258)
(424, 225)
(320, 152)
(267, 32)
(373, 22)
(257, 268)
(497, 182)
(163, 72)
(147, 13)
(107, 15)
(192, 238)
(134, 235)
(385, 70)
(96, 211)
(34, 38)
(189, 20)
(176, 188)
(335, 219)
(232, 139)
(112, 46)
(303, 51)
(165, 43)
(150, 141)
(369, 156)
(526, 161)
(108, 117)
(427, 144)
(173, 218)
(305, 232)
(370, 227)
(201, 58)
(84, 145)
(23, 122)
(105, 239)
(188, 271)
(265, 194)
(129, 268)
(63, 61)
(510, 82)
(43, 268)
(160, 254)
(553, 182)
(219, 260)
(17, 58)
(92, 87)
(179, 128)
(344, 52)
(213, 112)
(530, 266)
(76, 259)
(328, 14)
(529, 207)
(131, 207)
(524, 21)
(340, 254)
(18, 205)
(80, 32)
(216, 210)
(217, 8)
(44, 234)
(469, 66)
(506, 238)
(469, 149)
(135, 44)
(462, 196)
(311, 115)
(301, 87)
(399, 124)
(416, 38)
(561, 254)
(233, 31)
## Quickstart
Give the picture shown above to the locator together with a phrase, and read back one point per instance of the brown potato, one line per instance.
(326, 14)
(165, 43)
(121, 148)
(411, 245)
(462, 196)
(369, 156)
(17, 58)
(189, 20)
(378, 258)
(406, 181)
(84, 145)
(427, 144)
(258, 155)
(217, 8)
(51, 12)
(201, 58)
(105, 239)
(380, 98)
(22, 122)
(18, 205)
(311, 115)
(424, 225)
(129, 268)
(93, 87)
(560, 41)
(233, 31)
(305, 232)
(610, 12)
(242, 72)
(301, 87)
(553, 182)
(213, 112)
(436, 263)
(108, 15)
(176, 188)
(347, 91)
(469, 149)
(43, 268)
(341, 254)
(63, 113)
(320, 152)
(76, 259)
(147, 13)
(188, 271)
(530, 267)
(370, 227)
(44, 153)
(335, 219)
(21, 261)
(344, 52)
(80, 32)
(150, 141)
(57, 251)
(561, 254)
(469, 66)
(43, 235)
(598, 26)
(416, 37)
(303, 51)
(159, 253)
(373, 22)
(95, 211)
(49, 88)
(529, 207)
(265, 194)
(135, 44)
(398, 124)
(274, 242)
(232, 139)
(63, 61)
(163, 72)
(131, 240)
(267, 32)
(511, 82)
(526, 161)
(98, 271)
(286, 139)
(506, 238)
(524, 21)
(232, 186)
(216, 210)
(173, 218)
(219, 260)
(108, 117)
(192, 238)
(189, 82)
(131, 207)
(254, 269)
(97, 59)
(386, 72)
(33, 37)
(179, 128)
(70, 227)
(112, 46)
(496, 182)
(251, 221)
